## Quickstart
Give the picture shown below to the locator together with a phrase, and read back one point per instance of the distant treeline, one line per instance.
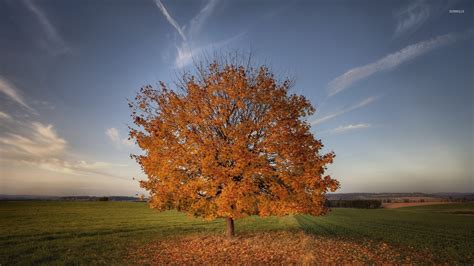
(358, 204)
(452, 196)
(68, 198)
(93, 198)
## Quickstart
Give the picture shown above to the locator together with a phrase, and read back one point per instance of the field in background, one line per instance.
(395, 205)
(103, 232)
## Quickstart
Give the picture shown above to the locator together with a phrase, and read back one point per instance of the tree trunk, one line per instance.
(230, 227)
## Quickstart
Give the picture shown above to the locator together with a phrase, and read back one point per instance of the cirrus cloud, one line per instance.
(42, 141)
(38, 145)
(411, 17)
(393, 60)
(358, 105)
(114, 135)
(350, 127)
(8, 89)
(187, 50)
(4, 115)
(54, 40)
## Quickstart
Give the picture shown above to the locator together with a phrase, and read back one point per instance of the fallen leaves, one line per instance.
(281, 247)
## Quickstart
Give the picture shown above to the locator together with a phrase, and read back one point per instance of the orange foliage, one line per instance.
(230, 141)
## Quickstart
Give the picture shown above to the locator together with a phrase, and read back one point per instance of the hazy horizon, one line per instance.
(392, 83)
(329, 193)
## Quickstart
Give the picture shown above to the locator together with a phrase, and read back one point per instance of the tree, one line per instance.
(229, 141)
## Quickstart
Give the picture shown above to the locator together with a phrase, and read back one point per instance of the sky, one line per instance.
(392, 83)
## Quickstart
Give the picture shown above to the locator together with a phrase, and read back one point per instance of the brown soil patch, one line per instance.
(408, 204)
(273, 248)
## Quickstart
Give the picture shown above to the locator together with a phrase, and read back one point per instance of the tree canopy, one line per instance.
(230, 141)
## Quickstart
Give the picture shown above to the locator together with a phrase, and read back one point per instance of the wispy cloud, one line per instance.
(197, 22)
(39, 145)
(78, 167)
(14, 94)
(393, 60)
(43, 105)
(55, 41)
(114, 135)
(42, 141)
(170, 19)
(346, 110)
(410, 18)
(4, 115)
(187, 53)
(343, 129)
(36, 144)
(187, 49)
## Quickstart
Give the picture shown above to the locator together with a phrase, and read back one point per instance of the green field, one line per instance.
(101, 232)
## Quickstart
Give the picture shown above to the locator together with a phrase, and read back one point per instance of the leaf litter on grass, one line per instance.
(282, 247)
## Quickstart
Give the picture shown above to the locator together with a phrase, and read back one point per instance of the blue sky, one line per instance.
(392, 82)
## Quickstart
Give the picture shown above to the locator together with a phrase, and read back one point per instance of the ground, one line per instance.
(131, 233)
(279, 247)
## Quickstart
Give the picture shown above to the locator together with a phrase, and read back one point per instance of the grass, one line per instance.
(435, 228)
(101, 232)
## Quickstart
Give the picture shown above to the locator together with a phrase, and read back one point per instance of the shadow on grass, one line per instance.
(319, 227)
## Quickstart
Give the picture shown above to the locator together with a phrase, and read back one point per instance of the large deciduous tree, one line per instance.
(229, 141)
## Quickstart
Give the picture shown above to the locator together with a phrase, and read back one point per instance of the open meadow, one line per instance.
(129, 232)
